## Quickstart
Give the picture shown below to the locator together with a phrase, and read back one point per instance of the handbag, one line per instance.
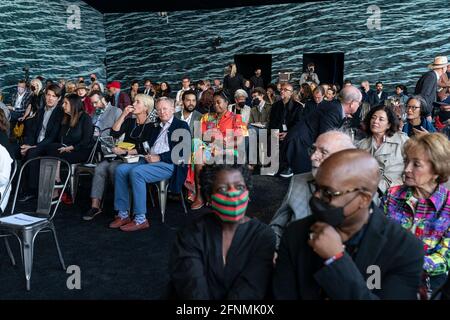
(18, 130)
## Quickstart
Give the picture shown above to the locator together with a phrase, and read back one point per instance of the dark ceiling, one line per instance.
(174, 5)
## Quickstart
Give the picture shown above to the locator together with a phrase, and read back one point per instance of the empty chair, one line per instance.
(26, 225)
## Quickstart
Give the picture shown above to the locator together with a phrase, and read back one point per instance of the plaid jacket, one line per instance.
(430, 223)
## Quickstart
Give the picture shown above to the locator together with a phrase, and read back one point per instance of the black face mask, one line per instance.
(241, 105)
(93, 79)
(33, 88)
(256, 102)
(324, 212)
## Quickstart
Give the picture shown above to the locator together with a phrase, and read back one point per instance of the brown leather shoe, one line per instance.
(117, 223)
(133, 226)
(197, 204)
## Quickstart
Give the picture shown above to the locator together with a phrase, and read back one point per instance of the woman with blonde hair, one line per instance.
(136, 129)
(422, 204)
(233, 81)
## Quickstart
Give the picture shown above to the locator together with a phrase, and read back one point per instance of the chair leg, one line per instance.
(151, 195)
(162, 194)
(61, 259)
(182, 202)
(10, 254)
(73, 185)
(27, 248)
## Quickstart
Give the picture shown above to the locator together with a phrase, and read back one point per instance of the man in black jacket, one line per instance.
(427, 84)
(327, 116)
(379, 96)
(347, 249)
(47, 131)
(284, 114)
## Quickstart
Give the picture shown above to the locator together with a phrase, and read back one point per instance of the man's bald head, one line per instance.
(328, 143)
(349, 169)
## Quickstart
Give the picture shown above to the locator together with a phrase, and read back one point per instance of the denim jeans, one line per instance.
(136, 176)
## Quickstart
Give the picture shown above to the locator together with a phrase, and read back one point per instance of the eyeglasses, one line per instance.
(322, 151)
(284, 89)
(412, 107)
(326, 194)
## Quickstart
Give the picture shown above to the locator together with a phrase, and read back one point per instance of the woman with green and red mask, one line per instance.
(224, 254)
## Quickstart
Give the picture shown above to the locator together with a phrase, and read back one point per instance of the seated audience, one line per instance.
(260, 111)
(295, 204)
(283, 116)
(417, 122)
(330, 254)
(216, 123)
(422, 204)
(188, 113)
(157, 165)
(224, 255)
(239, 106)
(76, 132)
(81, 91)
(105, 114)
(47, 132)
(385, 143)
(136, 129)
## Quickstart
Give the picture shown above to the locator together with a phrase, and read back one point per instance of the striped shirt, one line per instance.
(428, 219)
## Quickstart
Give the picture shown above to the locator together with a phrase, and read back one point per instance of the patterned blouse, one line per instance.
(428, 219)
(229, 121)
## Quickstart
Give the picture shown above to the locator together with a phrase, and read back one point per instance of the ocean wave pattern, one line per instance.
(35, 34)
(144, 45)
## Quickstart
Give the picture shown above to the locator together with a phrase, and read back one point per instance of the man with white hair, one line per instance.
(295, 205)
(239, 107)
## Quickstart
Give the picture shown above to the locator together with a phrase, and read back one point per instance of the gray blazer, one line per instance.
(295, 205)
(107, 118)
(196, 116)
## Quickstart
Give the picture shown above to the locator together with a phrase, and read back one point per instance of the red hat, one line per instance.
(113, 84)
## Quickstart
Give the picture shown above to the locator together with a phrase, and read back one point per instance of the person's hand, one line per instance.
(420, 132)
(21, 119)
(65, 149)
(24, 149)
(282, 135)
(118, 151)
(325, 240)
(128, 109)
(151, 158)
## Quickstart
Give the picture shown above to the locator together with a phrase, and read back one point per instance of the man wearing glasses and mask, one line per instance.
(347, 249)
(295, 205)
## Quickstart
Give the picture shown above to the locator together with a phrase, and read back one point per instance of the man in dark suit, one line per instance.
(327, 116)
(47, 131)
(313, 104)
(427, 84)
(284, 115)
(188, 114)
(379, 96)
(347, 249)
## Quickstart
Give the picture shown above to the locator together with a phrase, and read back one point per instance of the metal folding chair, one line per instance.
(26, 232)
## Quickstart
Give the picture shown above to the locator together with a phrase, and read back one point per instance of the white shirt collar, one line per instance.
(167, 124)
(188, 119)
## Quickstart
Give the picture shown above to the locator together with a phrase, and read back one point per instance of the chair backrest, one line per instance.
(11, 178)
(47, 173)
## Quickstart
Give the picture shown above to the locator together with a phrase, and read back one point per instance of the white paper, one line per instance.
(20, 219)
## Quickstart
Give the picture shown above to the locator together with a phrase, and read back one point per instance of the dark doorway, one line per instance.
(329, 66)
(247, 64)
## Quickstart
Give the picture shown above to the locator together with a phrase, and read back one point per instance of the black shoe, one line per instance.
(27, 197)
(286, 173)
(91, 214)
